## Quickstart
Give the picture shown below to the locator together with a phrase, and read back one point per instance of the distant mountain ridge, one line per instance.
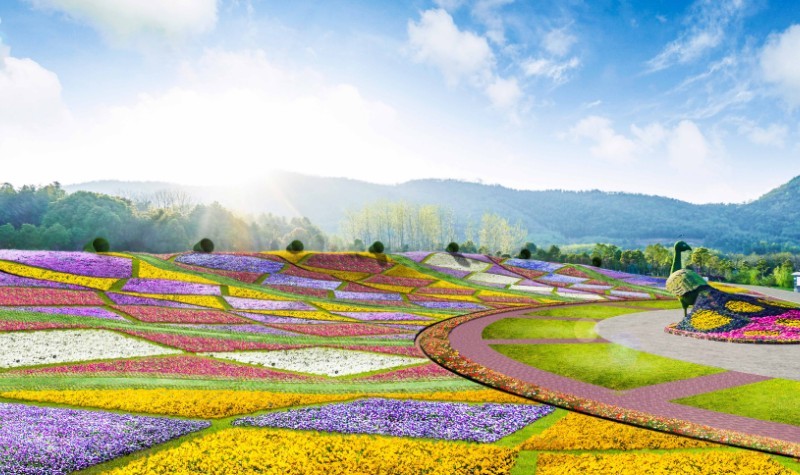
(551, 216)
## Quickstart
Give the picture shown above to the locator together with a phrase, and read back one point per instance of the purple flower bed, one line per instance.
(163, 286)
(495, 269)
(612, 273)
(231, 262)
(561, 279)
(97, 312)
(647, 281)
(258, 304)
(531, 283)
(478, 257)
(251, 328)
(10, 280)
(454, 272)
(370, 316)
(44, 440)
(342, 294)
(416, 256)
(284, 279)
(259, 317)
(452, 305)
(122, 299)
(630, 295)
(80, 263)
(590, 287)
(436, 420)
(533, 265)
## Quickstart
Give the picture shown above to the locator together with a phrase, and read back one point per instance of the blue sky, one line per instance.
(693, 100)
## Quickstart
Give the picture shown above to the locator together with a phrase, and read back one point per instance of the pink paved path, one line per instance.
(466, 339)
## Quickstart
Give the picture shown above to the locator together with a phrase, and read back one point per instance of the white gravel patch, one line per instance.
(443, 259)
(325, 361)
(65, 346)
(493, 278)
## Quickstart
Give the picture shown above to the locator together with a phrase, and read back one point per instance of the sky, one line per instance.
(693, 100)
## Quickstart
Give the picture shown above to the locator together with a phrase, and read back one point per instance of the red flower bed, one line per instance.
(348, 262)
(198, 344)
(353, 287)
(150, 314)
(404, 281)
(293, 289)
(15, 325)
(596, 282)
(530, 274)
(572, 272)
(444, 291)
(391, 350)
(182, 365)
(299, 272)
(335, 329)
(247, 277)
(428, 371)
(493, 298)
(43, 296)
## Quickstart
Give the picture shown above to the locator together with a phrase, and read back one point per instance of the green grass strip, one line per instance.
(585, 311)
(604, 364)
(536, 328)
(776, 400)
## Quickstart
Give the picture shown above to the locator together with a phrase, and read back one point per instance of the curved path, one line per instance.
(653, 400)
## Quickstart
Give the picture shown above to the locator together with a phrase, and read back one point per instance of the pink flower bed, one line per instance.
(181, 365)
(783, 328)
(530, 274)
(389, 350)
(242, 276)
(308, 274)
(177, 315)
(499, 299)
(404, 281)
(337, 329)
(42, 296)
(14, 325)
(353, 287)
(293, 289)
(198, 344)
(428, 371)
(125, 299)
(348, 262)
(444, 291)
(265, 318)
(383, 316)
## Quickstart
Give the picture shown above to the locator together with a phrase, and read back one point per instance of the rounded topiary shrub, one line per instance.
(597, 261)
(295, 246)
(376, 247)
(525, 253)
(98, 244)
(204, 245)
(452, 247)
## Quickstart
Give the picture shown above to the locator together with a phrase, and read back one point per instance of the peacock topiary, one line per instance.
(685, 284)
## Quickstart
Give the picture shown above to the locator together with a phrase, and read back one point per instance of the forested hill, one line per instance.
(553, 216)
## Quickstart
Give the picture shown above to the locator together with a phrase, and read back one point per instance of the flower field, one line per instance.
(294, 363)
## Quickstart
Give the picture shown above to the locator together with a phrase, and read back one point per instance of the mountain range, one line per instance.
(769, 224)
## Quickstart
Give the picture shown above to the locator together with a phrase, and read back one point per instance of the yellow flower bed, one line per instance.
(392, 288)
(101, 283)
(788, 322)
(341, 307)
(149, 271)
(742, 307)
(779, 303)
(211, 404)
(708, 320)
(479, 395)
(234, 291)
(443, 284)
(709, 462)
(403, 271)
(761, 333)
(460, 298)
(727, 288)
(580, 432)
(116, 254)
(284, 452)
(293, 257)
(339, 274)
(209, 301)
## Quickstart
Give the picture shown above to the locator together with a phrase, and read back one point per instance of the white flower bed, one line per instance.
(327, 361)
(65, 346)
(449, 261)
(487, 278)
(579, 295)
(530, 288)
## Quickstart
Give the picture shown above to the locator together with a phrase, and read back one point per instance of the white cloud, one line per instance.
(773, 135)
(608, 144)
(486, 12)
(779, 63)
(687, 148)
(557, 71)
(650, 136)
(707, 21)
(558, 42)
(125, 21)
(436, 40)
(30, 95)
(504, 93)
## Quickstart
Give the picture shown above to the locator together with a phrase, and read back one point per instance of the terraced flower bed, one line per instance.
(217, 338)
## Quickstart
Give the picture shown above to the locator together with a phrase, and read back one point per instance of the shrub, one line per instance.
(597, 261)
(376, 247)
(98, 244)
(204, 245)
(452, 247)
(525, 253)
(295, 246)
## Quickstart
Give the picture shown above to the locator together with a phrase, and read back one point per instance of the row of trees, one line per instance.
(409, 227)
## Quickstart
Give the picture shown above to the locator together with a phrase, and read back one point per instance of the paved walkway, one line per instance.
(655, 400)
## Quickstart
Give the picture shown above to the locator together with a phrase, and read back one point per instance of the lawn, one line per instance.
(604, 364)
(536, 328)
(776, 400)
(588, 311)
(656, 304)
